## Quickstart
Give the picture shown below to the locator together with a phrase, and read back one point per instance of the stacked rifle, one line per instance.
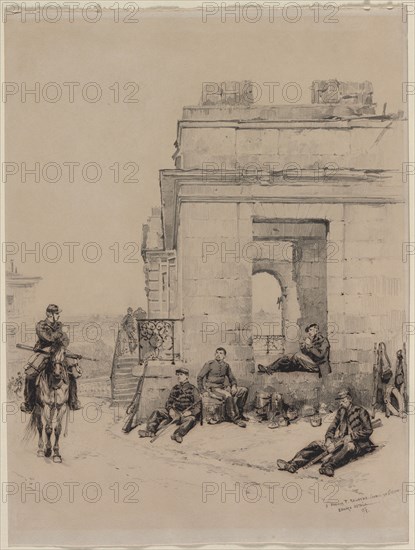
(388, 384)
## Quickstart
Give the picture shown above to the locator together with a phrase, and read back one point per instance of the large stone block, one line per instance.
(196, 211)
(382, 147)
(364, 249)
(205, 229)
(372, 214)
(223, 211)
(355, 323)
(195, 268)
(366, 267)
(330, 142)
(196, 249)
(207, 145)
(256, 142)
(363, 229)
(236, 270)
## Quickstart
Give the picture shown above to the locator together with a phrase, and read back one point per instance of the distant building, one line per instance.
(20, 294)
(20, 319)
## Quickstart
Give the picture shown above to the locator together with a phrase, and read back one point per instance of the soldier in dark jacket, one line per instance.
(216, 379)
(314, 356)
(182, 406)
(129, 324)
(347, 438)
(52, 339)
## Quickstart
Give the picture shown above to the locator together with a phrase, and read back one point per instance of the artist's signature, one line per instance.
(362, 503)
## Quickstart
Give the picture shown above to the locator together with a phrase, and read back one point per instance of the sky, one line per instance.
(169, 54)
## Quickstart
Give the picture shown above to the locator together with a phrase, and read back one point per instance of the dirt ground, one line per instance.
(220, 485)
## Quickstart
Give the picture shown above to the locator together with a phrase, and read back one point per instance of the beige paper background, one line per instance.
(169, 54)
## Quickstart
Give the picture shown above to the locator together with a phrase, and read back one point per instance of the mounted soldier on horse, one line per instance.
(52, 341)
(50, 387)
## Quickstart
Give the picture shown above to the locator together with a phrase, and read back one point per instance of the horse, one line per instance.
(52, 396)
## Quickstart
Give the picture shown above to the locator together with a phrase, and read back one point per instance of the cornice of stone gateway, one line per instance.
(348, 187)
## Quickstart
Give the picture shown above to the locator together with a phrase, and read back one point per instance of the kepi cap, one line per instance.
(342, 394)
(182, 370)
(53, 308)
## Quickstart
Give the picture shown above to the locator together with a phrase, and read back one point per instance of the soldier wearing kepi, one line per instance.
(216, 379)
(347, 438)
(53, 340)
(183, 407)
(314, 356)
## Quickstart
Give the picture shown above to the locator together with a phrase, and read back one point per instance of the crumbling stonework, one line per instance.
(324, 178)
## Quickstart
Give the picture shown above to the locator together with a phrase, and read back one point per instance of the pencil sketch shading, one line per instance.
(276, 295)
(309, 197)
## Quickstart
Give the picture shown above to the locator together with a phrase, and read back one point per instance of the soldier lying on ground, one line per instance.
(182, 406)
(216, 379)
(347, 438)
(313, 357)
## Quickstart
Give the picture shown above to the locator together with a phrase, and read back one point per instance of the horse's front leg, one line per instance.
(48, 430)
(40, 445)
(58, 428)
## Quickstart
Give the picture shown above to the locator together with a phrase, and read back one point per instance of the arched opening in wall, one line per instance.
(267, 315)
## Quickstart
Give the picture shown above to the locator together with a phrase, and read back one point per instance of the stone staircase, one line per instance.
(127, 370)
(123, 383)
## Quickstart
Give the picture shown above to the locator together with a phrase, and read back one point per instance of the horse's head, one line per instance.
(57, 371)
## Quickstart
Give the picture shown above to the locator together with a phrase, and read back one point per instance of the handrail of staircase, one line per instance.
(114, 356)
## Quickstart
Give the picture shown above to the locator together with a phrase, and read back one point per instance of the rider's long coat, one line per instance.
(51, 338)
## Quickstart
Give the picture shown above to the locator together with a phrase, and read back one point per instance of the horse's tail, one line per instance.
(31, 427)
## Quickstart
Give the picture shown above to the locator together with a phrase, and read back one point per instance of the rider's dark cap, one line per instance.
(342, 394)
(53, 308)
(182, 370)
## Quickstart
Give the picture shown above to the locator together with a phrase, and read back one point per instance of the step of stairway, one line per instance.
(123, 398)
(126, 384)
(123, 373)
(128, 368)
(127, 360)
(122, 404)
(129, 386)
(125, 381)
(124, 368)
(125, 390)
(125, 378)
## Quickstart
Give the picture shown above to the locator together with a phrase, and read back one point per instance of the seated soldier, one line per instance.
(54, 341)
(216, 379)
(183, 407)
(347, 438)
(313, 357)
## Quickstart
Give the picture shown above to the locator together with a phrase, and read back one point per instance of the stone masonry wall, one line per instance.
(365, 286)
(353, 145)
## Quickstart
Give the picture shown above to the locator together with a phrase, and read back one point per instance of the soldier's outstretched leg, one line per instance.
(186, 424)
(154, 421)
(302, 458)
(339, 458)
